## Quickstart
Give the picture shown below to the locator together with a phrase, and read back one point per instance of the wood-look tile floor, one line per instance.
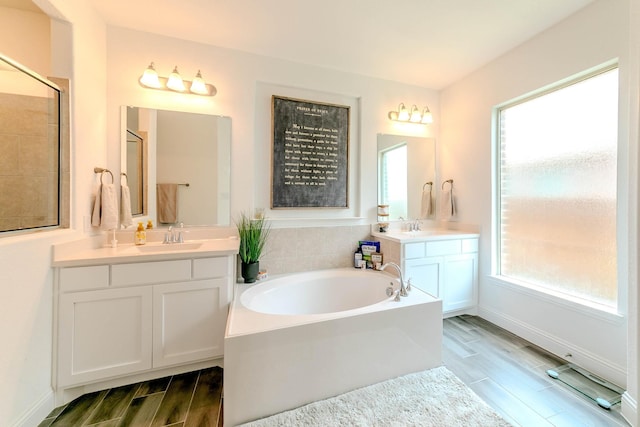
(509, 373)
(506, 371)
(193, 399)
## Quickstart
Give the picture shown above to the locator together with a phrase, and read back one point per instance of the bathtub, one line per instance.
(304, 337)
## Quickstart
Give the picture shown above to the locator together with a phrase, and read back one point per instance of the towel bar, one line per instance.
(101, 171)
(450, 181)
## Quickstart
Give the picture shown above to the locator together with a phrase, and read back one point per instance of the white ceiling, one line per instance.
(430, 43)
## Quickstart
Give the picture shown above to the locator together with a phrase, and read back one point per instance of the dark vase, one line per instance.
(250, 271)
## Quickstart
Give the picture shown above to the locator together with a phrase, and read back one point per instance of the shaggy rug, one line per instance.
(431, 398)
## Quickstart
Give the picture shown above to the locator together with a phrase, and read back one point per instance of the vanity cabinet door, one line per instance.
(425, 274)
(189, 320)
(460, 287)
(103, 333)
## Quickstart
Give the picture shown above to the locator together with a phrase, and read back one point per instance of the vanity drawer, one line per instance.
(469, 246)
(444, 247)
(150, 272)
(414, 250)
(205, 268)
(84, 278)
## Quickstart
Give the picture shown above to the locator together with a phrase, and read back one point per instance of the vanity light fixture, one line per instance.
(412, 116)
(174, 82)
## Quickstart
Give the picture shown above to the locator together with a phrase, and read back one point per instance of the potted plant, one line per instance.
(253, 236)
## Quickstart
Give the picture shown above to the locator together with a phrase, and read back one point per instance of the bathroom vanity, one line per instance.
(132, 313)
(443, 263)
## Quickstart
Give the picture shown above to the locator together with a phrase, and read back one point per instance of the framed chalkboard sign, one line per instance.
(310, 155)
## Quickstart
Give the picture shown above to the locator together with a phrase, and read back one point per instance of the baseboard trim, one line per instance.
(38, 412)
(601, 367)
(630, 410)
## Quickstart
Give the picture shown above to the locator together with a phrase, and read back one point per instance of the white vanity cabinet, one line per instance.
(445, 266)
(121, 319)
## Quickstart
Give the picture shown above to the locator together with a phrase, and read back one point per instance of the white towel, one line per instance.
(447, 205)
(427, 204)
(97, 203)
(126, 218)
(109, 207)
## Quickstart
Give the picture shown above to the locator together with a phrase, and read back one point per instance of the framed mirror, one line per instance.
(406, 164)
(187, 153)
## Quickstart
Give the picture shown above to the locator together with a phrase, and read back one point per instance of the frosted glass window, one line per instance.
(393, 179)
(557, 189)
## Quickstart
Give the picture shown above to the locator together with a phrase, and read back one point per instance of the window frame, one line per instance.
(556, 296)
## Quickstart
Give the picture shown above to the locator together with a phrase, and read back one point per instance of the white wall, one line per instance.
(591, 37)
(112, 59)
(26, 277)
(236, 75)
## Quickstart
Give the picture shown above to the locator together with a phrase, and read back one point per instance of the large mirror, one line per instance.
(407, 176)
(178, 165)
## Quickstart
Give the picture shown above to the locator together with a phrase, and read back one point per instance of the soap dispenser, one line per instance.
(141, 235)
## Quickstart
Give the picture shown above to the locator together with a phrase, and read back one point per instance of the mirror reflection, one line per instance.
(188, 170)
(405, 165)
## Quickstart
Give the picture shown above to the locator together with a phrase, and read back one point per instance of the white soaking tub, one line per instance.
(304, 337)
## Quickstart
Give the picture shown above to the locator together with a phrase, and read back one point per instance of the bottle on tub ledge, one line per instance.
(358, 262)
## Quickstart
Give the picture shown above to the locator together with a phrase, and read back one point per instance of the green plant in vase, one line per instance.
(253, 235)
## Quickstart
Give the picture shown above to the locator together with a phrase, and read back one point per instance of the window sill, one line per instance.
(606, 313)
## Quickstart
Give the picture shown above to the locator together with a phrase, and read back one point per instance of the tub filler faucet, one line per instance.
(403, 290)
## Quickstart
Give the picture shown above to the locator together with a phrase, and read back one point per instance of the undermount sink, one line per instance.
(169, 247)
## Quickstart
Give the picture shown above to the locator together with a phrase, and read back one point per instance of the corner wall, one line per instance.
(592, 36)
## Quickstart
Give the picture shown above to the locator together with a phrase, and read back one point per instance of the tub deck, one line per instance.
(274, 363)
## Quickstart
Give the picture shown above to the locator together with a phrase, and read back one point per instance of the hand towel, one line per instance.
(167, 199)
(97, 204)
(126, 218)
(447, 205)
(109, 209)
(427, 204)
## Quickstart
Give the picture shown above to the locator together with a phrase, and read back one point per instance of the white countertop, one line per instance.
(424, 235)
(93, 251)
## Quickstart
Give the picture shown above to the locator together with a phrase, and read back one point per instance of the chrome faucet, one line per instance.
(412, 225)
(172, 237)
(403, 289)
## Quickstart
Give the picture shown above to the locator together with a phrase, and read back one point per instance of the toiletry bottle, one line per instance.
(149, 225)
(357, 258)
(141, 235)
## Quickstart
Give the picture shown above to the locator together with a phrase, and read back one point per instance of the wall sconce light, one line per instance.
(414, 116)
(174, 82)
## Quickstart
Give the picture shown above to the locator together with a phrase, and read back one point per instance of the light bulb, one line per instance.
(427, 117)
(415, 115)
(403, 114)
(175, 81)
(150, 78)
(198, 85)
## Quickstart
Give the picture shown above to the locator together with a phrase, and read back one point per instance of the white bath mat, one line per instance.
(431, 398)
